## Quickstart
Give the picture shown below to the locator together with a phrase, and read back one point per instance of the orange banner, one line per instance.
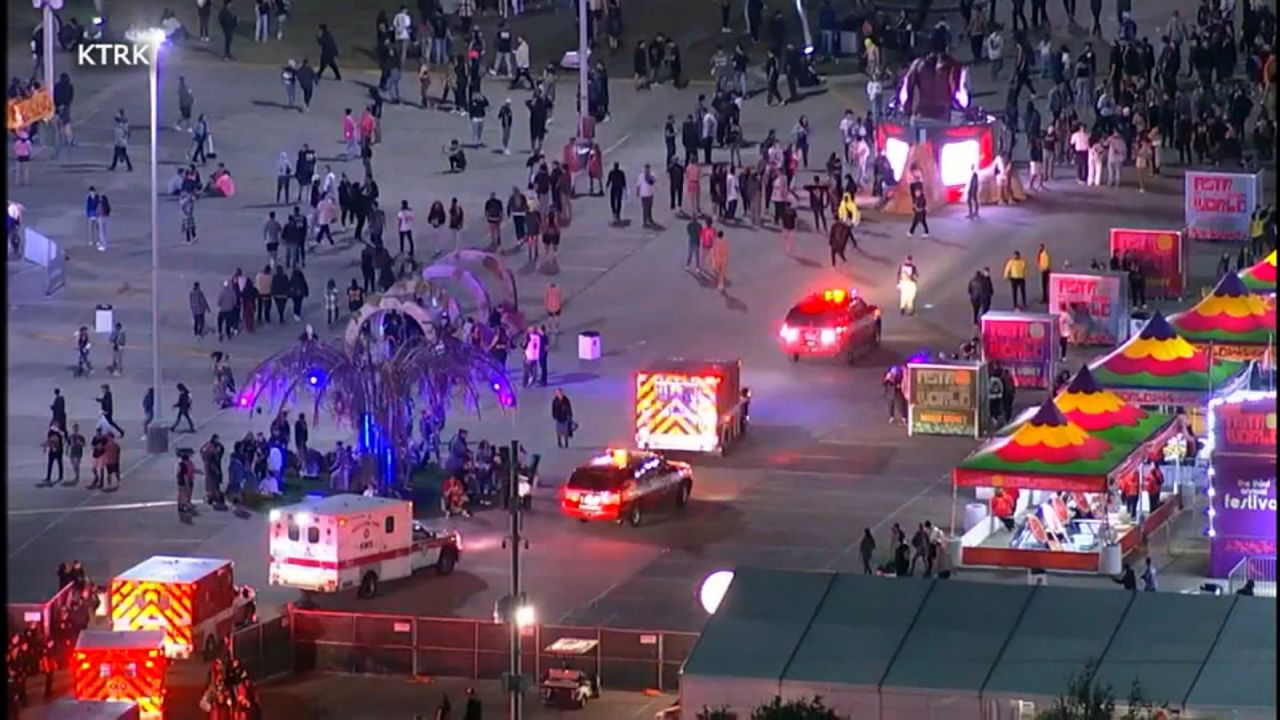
(23, 111)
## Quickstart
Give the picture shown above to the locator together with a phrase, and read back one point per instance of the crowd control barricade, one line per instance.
(387, 644)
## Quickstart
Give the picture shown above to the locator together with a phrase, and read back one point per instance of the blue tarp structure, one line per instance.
(876, 647)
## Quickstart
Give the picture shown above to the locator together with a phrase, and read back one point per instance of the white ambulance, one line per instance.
(342, 541)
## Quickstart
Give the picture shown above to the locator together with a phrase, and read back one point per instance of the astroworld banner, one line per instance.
(1219, 205)
(1162, 255)
(1023, 342)
(1244, 481)
(1098, 306)
(945, 399)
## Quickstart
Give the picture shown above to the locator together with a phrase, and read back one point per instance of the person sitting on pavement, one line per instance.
(457, 156)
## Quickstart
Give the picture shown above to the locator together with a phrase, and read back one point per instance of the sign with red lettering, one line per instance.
(1098, 306)
(1162, 255)
(1026, 343)
(1219, 205)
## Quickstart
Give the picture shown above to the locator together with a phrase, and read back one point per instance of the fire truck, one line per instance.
(695, 406)
(192, 600)
(333, 543)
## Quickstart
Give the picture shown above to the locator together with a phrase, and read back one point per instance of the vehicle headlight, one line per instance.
(828, 337)
(789, 333)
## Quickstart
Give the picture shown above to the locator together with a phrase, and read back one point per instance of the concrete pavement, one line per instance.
(820, 463)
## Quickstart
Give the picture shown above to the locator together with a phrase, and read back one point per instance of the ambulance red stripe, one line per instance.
(344, 564)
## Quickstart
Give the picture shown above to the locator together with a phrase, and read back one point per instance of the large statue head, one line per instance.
(934, 84)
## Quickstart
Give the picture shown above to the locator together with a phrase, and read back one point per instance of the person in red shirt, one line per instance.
(1129, 492)
(1002, 507)
(1155, 481)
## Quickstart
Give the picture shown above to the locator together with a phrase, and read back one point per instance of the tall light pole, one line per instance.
(157, 433)
(583, 53)
(46, 10)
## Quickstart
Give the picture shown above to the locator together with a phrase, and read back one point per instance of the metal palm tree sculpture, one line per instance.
(375, 396)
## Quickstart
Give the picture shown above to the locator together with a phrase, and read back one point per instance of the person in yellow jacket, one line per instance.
(1258, 231)
(848, 212)
(1015, 271)
(1044, 264)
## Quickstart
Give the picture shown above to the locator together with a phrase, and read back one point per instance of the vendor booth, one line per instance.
(1097, 304)
(1159, 369)
(946, 399)
(1231, 323)
(1057, 480)
(1242, 489)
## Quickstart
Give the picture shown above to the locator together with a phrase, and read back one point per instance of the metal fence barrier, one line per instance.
(1261, 570)
(374, 643)
(21, 615)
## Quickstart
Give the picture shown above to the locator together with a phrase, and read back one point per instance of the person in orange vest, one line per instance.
(1154, 482)
(1129, 492)
(1002, 507)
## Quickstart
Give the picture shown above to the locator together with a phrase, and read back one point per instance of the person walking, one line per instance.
(281, 290)
(971, 194)
(866, 549)
(553, 302)
(404, 226)
(1015, 271)
(53, 445)
(562, 415)
(117, 340)
(204, 11)
(505, 121)
(456, 219)
(1044, 263)
(120, 142)
(228, 308)
(183, 406)
(616, 184)
(106, 404)
(227, 20)
(646, 188)
(75, 452)
(148, 410)
(284, 176)
(328, 53)
(92, 209)
(720, 261)
(83, 345)
(919, 204)
(908, 285)
(58, 408)
(298, 291)
(1064, 330)
(187, 208)
(199, 305)
(977, 296)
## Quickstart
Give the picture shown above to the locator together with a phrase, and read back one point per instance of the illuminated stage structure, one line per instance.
(935, 118)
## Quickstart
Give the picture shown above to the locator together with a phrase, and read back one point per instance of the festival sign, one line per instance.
(1026, 343)
(945, 399)
(1098, 305)
(1219, 205)
(1243, 519)
(21, 112)
(1162, 255)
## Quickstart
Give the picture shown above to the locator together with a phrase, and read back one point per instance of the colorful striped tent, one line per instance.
(1048, 452)
(1261, 278)
(1100, 413)
(1159, 367)
(1230, 315)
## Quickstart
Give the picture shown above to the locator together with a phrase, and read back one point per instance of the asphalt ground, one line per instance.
(819, 465)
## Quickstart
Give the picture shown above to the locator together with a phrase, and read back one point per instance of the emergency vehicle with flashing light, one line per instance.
(691, 405)
(338, 542)
(831, 323)
(624, 486)
(192, 600)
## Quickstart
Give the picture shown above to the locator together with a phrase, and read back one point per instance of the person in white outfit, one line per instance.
(1097, 160)
(908, 285)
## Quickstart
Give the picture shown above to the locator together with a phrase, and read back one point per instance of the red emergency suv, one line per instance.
(831, 323)
(624, 486)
